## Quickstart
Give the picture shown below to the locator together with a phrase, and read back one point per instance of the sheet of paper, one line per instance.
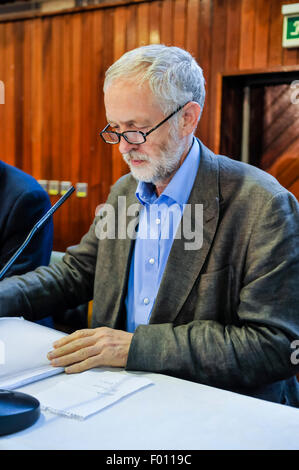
(24, 349)
(86, 393)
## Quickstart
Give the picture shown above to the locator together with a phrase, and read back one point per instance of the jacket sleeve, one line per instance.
(53, 288)
(257, 349)
(26, 211)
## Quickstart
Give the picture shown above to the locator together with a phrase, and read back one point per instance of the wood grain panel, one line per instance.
(143, 24)
(166, 22)
(179, 23)
(192, 21)
(275, 31)
(232, 49)
(154, 23)
(261, 31)
(204, 58)
(281, 119)
(217, 63)
(19, 116)
(10, 112)
(35, 78)
(120, 20)
(53, 67)
(247, 34)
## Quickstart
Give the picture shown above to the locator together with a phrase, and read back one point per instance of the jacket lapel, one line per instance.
(183, 265)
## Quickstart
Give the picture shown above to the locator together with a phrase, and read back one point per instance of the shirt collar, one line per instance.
(179, 187)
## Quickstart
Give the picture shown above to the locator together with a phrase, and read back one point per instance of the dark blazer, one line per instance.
(225, 315)
(22, 203)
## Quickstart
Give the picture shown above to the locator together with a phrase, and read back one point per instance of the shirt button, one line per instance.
(158, 221)
(146, 301)
(151, 260)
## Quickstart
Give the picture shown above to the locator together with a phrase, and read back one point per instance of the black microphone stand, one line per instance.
(35, 229)
(19, 410)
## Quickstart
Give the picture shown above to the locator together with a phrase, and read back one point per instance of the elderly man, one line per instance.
(221, 309)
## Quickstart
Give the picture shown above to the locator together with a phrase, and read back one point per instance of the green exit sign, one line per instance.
(293, 27)
(290, 35)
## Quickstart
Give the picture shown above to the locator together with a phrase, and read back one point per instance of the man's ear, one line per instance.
(189, 118)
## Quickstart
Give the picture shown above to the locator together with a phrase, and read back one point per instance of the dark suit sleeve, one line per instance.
(54, 288)
(28, 208)
(256, 349)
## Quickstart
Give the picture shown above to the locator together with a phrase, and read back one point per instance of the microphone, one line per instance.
(19, 410)
(35, 229)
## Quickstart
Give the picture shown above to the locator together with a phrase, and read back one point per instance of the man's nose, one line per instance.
(125, 147)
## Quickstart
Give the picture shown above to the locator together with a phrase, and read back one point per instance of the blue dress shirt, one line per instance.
(158, 222)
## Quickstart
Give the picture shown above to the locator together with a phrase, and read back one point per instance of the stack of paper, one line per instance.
(24, 348)
(84, 394)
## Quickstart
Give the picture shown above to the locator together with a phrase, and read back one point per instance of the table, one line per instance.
(170, 414)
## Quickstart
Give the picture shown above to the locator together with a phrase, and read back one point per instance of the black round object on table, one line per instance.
(17, 411)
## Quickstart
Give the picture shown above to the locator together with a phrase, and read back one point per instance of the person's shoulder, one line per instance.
(125, 185)
(19, 182)
(237, 177)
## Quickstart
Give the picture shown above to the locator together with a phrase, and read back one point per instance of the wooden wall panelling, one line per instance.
(87, 125)
(56, 83)
(192, 29)
(275, 31)
(65, 157)
(131, 32)
(18, 67)
(280, 124)
(99, 162)
(35, 88)
(204, 59)
(47, 99)
(26, 110)
(154, 23)
(179, 20)
(75, 119)
(143, 24)
(53, 67)
(166, 24)
(2, 106)
(261, 32)
(107, 60)
(232, 49)
(120, 20)
(217, 63)
(10, 110)
(247, 34)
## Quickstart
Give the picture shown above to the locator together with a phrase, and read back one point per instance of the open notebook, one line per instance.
(23, 352)
(23, 359)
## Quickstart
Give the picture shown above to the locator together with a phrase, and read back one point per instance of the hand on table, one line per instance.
(90, 348)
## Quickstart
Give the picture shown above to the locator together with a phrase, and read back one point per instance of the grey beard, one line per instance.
(162, 169)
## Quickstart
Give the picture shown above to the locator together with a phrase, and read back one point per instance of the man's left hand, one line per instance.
(90, 348)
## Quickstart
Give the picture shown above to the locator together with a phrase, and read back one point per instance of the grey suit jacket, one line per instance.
(226, 314)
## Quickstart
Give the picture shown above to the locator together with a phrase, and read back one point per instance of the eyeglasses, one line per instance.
(133, 137)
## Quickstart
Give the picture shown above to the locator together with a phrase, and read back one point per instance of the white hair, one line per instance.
(172, 74)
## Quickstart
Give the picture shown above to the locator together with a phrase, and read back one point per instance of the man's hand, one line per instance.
(90, 348)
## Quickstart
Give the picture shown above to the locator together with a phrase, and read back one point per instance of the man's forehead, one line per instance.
(130, 120)
(129, 105)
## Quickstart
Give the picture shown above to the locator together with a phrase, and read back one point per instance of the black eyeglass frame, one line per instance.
(144, 134)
